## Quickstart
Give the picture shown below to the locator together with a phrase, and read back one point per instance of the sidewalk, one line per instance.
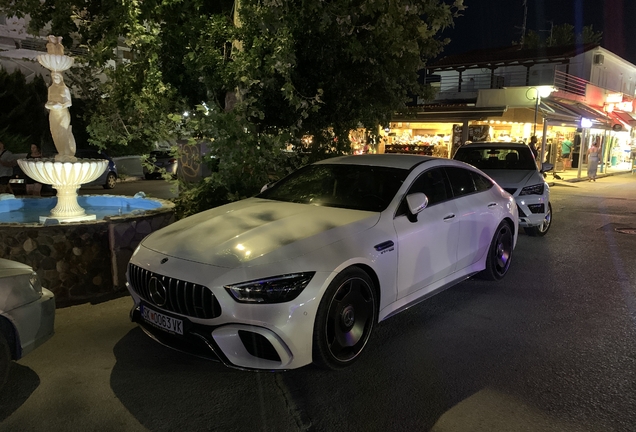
(571, 175)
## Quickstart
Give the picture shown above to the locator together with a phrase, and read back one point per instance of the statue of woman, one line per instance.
(60, 119)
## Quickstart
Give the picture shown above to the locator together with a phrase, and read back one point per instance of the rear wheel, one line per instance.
(111, 181)
(541, 230)
(345, 319)
(499, 253)
(5, 359)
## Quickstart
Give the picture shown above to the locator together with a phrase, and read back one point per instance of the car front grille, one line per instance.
(511, 191)
(174, 295)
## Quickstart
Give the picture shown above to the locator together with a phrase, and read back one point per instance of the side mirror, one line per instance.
(545, 167)
(416, 202)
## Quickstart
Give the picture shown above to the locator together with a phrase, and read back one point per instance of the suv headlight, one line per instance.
(533, 190)
(276, 289)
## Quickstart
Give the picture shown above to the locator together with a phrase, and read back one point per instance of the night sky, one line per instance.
(497, 23)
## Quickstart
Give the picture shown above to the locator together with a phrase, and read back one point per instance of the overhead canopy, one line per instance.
(449, 114)
(598, 118)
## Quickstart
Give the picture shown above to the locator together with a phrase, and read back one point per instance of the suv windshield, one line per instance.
(489, 158)
(357, 187)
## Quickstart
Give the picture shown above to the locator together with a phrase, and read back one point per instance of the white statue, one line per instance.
(59, 99)
(60, 118)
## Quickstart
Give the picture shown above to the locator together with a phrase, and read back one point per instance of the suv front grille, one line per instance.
(174, 295)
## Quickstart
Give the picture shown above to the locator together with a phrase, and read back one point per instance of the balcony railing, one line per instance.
(472, 83)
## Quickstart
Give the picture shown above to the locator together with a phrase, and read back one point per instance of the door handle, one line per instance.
(491, 205)
(449, 217)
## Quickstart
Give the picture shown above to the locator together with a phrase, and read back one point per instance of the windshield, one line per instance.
(357, 187)
(489, 158)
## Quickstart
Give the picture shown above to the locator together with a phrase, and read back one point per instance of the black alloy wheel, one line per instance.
(111, 181)
(499, 253)
(541, 230)
(345, 319)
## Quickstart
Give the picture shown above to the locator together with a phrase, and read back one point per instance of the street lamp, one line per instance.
(539, 92)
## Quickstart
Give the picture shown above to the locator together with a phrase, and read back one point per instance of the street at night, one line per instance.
(549, 348)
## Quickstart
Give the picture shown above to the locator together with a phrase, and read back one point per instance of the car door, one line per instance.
(427, 242)
(477, 214)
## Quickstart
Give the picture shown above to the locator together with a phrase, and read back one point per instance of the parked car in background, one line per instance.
(27, 313)
(109, 178)
(163, 161)
(514, 168)
(303, 271)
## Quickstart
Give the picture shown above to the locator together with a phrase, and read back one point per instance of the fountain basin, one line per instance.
(80, 261)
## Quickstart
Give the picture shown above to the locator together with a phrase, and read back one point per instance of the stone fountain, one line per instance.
(65, 172)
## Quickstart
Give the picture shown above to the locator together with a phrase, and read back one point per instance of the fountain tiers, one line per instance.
(66, 178)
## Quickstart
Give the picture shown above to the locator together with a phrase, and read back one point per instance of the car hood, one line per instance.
(12, 268)
(515, 178)
(257, 231)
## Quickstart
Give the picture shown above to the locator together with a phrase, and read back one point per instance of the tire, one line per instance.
(541, 230)
(5, 359)
(499, 253)
(111, 181)
(346, 316)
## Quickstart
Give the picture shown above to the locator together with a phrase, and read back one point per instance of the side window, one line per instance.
(434, 184)
(461, 181)
(481, 182)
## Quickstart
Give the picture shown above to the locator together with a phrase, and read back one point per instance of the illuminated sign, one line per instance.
(621, 106)
(614, 98)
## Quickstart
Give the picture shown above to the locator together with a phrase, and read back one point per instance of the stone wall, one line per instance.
(85, 261)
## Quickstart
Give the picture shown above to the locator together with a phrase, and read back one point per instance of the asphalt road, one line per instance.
(549, 348)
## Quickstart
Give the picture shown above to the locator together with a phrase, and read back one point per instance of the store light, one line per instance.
(586, 123)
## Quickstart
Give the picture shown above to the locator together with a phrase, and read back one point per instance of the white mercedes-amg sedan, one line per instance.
(303, 271)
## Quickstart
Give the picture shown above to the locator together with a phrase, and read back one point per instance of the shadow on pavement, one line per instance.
(168, 390)
(21, 384)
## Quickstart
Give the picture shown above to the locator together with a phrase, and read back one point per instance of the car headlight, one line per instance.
(533, 190)
(34, 280)
(276, 289)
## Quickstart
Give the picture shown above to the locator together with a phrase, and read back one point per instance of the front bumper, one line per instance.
(532, 209)
(245, 336)
(34, 323)
(235, 345)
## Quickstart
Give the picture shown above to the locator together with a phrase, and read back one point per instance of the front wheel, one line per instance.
(111, 181)
(345, 319)
(541, 230)
(499, 253)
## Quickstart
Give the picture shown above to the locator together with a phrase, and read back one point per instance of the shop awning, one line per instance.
(598, 118)
(555, 113)
(622, 118)
(449, 114)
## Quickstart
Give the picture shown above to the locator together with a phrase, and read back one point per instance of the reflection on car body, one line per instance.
(303, 271)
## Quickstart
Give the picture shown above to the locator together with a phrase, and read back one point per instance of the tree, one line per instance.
(292, 68)
(562, 35)
(23, 118)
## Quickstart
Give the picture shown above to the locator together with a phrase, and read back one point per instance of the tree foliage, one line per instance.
(562, 35)
(286, 69)
(23, 118)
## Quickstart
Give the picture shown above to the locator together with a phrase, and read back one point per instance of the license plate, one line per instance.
(162, 321)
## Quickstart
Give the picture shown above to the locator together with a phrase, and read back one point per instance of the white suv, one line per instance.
(514, 168)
